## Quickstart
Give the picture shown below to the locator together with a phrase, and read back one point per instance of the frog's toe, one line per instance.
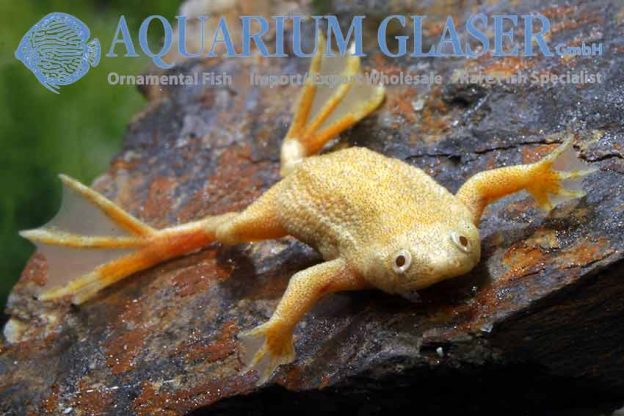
(560, 177)
(264, 349)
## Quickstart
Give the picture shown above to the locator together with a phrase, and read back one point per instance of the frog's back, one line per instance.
(354, 195)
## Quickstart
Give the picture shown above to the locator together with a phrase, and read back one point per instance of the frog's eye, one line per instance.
(462, 242)
(402, 261)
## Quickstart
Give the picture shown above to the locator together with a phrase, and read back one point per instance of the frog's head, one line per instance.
(423, 256)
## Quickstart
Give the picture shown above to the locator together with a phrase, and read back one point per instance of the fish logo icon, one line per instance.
(58, 51)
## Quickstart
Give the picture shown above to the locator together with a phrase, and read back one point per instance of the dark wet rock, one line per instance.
(535, 328)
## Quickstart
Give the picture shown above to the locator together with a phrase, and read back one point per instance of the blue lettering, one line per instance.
(182, 37)
(168, 35)
(539, 36)
(279, 37)
(477, 34)
(418, 39)
(126, 40)
(226, 39)
(355, 30)
(449, 35)
(500, 34)
(297, 37)
(381, 37)
(256, 37)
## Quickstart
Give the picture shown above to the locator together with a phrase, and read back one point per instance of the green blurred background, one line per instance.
(43, 134)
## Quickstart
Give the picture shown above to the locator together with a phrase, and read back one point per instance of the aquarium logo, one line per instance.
(57, 50)
(499, 35)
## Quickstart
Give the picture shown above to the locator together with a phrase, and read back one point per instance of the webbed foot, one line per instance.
(559, 177)
(265, 348)
(323, 111)
(92, 243)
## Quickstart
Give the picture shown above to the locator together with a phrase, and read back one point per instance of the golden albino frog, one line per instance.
(378, 222)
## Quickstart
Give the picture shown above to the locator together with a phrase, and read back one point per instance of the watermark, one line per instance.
(592, 49)
(373, 77)
(536, 78)
(209, 79)
(481, 34)
(59, 52)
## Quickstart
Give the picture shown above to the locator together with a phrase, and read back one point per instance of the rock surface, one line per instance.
(536, 327)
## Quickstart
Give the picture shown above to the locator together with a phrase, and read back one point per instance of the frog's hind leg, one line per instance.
(270, 345)
(555, 179)
(92, 243)
(323, 111)
(259, 221)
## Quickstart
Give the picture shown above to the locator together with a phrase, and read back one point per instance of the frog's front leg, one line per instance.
(271, 344)
(552, 180)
